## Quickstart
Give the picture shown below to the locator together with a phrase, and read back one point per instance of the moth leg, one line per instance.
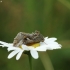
(29, 41)
(20, 43)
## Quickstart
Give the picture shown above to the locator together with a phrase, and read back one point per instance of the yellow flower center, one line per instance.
(34, 45)
(20, 46)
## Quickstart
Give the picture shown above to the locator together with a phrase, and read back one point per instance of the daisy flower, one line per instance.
(48, 44)
(15, 50)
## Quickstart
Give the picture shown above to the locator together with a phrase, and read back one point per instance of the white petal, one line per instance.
(19, 55)
(42, 43)
(4, 44)
(34, 54)
(24, 47)
(53, 46)
(14, 48)
(12, 54)
(43, 48)
(10, 48)
(50, 40)
(1, 42)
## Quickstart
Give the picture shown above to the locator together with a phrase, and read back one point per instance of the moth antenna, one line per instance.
(45, 43)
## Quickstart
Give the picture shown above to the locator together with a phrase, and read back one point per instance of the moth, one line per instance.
(28, 38)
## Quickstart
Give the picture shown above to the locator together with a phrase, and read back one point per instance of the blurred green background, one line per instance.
(50, 17)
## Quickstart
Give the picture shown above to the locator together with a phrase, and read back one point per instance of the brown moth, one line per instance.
(28, 38)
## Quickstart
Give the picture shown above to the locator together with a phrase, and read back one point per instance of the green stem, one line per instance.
(30, 60)
(46, 61)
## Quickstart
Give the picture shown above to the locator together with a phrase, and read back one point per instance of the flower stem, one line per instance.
(46, 61)
(30, 60)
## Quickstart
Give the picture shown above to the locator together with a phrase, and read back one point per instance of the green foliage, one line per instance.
(50, 17)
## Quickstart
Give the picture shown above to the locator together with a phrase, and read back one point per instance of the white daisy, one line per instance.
(52, 44)
(48, 44)
(16, 50)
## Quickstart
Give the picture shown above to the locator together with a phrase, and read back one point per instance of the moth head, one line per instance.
(38, 36)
